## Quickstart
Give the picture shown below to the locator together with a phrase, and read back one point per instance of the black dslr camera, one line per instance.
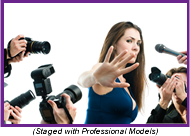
(157, 76)
(22, 100)
(36, 47)
(42, 87)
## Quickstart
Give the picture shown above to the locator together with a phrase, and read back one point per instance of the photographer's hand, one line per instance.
(17, 46)
(180, 87)
(59, 113)
(182, 59)
(7, 111)
(166, 92)
(18, 58)
(16, 113)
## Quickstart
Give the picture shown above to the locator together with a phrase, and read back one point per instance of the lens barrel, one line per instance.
(36, 47)
(23, 100)
(74, 92)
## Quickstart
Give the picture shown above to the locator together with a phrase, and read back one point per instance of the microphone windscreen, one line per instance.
(159, 48)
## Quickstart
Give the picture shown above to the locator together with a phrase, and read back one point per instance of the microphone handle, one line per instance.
(171, 52)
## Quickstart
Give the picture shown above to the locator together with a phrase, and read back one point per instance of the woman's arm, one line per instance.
(87, 78)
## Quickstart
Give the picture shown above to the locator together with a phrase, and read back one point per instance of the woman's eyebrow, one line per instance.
(132, 38)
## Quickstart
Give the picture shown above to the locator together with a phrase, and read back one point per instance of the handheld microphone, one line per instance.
(163, 49)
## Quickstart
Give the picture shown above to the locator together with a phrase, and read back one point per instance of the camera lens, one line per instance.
(36, 47)
(74, 92)
(23, 100)
(157, 77)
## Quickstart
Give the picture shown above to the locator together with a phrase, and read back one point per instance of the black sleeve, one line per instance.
(7, 67)
(157, 115)
(184, 103)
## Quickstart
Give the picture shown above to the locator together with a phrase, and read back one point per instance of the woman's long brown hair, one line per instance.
(136, 78)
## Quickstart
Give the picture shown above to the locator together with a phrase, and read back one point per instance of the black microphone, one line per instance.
(163, 49)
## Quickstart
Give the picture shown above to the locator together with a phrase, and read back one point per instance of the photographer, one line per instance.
(59, 113)
(11, 111)
(15, 46)
(177, 111)
(182, 59)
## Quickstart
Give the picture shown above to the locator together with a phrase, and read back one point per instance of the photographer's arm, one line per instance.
(157, 115)
(166, 91)
(15, 46)
(19, 58)
(7, 66)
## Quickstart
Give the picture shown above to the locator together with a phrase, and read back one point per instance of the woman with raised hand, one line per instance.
(116, 83)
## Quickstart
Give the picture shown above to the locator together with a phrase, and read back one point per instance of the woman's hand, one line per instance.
(106, 74)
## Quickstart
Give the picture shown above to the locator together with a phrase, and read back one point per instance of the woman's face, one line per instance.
(130, 41)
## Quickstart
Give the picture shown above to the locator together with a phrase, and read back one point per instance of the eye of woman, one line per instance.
(129, 41)
(139, 43)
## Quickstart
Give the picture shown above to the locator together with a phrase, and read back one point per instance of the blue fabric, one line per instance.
(115, 107)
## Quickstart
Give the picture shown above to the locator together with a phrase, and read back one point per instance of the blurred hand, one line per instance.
(16, 113)
(182, 59)
(107, 73)
(7, 111)
(59, 113)
(17, 46)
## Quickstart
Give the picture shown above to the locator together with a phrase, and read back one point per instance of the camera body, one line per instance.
(42, 87)
(46, 110)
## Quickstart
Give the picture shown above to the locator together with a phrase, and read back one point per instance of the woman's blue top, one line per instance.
(115, 107)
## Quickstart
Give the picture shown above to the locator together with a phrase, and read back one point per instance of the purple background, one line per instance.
(85, 1)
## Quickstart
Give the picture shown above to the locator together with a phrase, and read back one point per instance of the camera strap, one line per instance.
(8, 49)
(67, 112)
